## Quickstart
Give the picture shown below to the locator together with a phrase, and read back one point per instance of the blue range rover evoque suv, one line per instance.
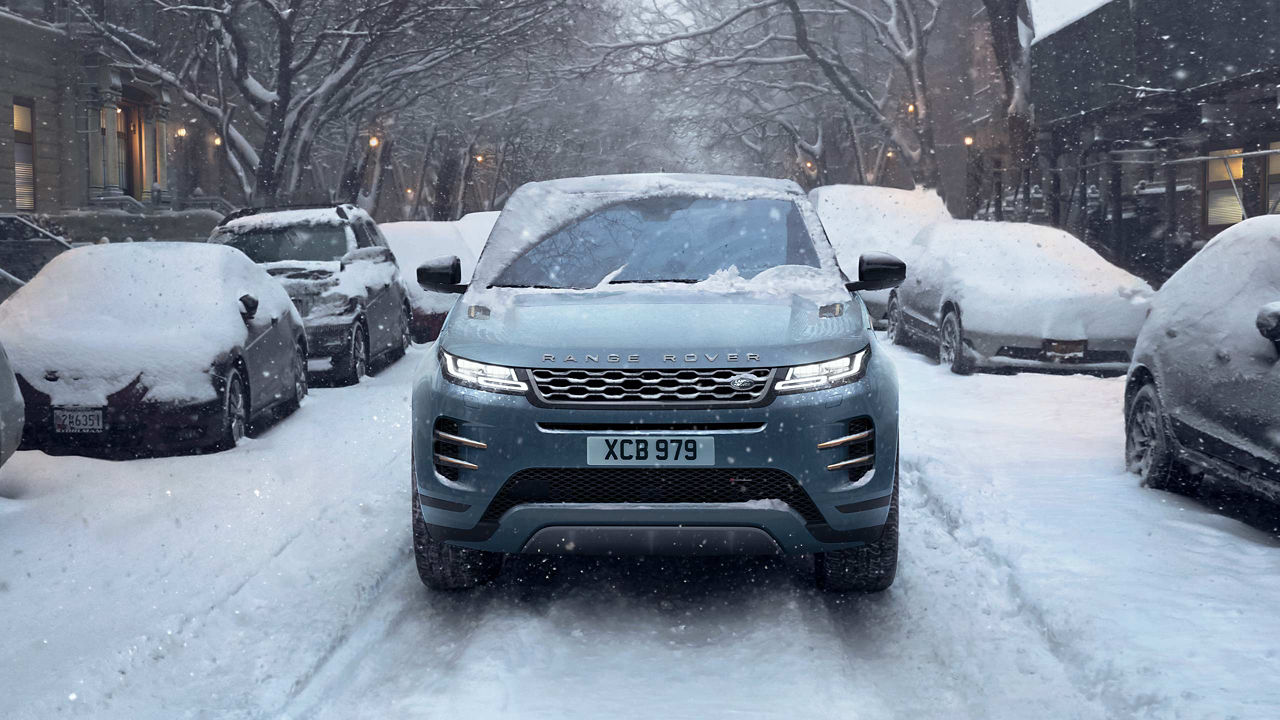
(657, 364)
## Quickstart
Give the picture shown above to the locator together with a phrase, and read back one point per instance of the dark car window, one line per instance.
(676, 239)
(301, 242)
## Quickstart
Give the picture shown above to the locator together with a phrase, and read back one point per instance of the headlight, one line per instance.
(821, 376)
(495, 378)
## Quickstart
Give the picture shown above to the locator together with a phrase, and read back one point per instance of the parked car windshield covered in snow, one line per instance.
(316, 243)
(666, 239)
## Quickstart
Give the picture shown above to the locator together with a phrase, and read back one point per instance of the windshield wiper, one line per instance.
(534, 287)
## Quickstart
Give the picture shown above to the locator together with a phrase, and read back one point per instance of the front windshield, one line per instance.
(666, 239)
(312, 243)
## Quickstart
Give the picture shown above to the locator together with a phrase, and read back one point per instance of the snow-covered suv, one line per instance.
(659, 364)
(1205, 379)
(337, 268)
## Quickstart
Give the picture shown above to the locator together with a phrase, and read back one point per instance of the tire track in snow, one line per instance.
(1101, 684)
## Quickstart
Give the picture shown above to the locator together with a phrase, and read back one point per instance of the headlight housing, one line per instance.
(823, 375)
(482, 376)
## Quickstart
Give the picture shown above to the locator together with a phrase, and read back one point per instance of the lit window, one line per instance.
(1273, 179)
(1222, 204)
(24, 157)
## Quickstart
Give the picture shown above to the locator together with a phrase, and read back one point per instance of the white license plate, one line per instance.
(651, 451)
(78, 421)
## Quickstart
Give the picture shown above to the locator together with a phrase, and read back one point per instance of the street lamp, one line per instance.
(217, 141)
(968, 140)
(182, 131)
(479, 158)
(889, 154)
(373, 141)
(911, 107)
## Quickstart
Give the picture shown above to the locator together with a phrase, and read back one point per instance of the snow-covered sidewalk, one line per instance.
(1037, 580)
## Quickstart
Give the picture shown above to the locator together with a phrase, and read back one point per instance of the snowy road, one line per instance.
(1037, 580)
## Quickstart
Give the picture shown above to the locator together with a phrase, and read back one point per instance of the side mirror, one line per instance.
(442, 274)
(248, 306)
(1268, 322)
(878, 271)
(368, 254)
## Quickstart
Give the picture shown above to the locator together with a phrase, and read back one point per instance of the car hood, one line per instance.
(651, 329)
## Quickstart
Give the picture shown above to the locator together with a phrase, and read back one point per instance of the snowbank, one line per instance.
(414, 243)
(1026, 280)
(101, 316)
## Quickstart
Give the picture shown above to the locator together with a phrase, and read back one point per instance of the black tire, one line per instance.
(1150, 449)
(405, 340)
(445, 567)
(867, 569)
(951, 344)
(895, 329)
(301, 384)
(235, 412)
(355, 361)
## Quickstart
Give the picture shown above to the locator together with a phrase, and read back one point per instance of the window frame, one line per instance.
(27, 138)
(1211, 186)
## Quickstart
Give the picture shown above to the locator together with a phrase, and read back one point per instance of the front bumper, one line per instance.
(135, 428)
(780, 437)
(1019, 352)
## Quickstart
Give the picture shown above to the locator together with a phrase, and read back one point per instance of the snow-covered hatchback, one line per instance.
(1205, 379)
(657, 364)
(337, 268)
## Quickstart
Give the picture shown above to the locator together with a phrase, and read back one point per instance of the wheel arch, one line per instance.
(1139, 376)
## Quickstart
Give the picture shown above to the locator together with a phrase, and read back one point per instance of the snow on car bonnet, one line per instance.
(95, 318)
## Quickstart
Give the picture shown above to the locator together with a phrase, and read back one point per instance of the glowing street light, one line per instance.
(217, 141)
(889, 154)
(968, 140)
(408, 191)
(182, 131)
(911, 107)
(479, 158)
(808, 164)
(373, 141)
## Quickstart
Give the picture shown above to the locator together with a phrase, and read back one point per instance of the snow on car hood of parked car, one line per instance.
(323, 289)
(1029, 280)
(97, 318)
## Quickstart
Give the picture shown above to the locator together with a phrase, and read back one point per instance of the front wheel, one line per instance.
(867, 569)
(445, 567)
(1149, 444)
(235, 412)
(895, 331)
(951, 344)
(300, 385)
(355, 363)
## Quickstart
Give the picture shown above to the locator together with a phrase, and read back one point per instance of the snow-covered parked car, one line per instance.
(11, 409)
(337, 267)
(141, 347)
(475, 228)
(1205, 379)
(1016, 295)
(415, 243)
(865, 218)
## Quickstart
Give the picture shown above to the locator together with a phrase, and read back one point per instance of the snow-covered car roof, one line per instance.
(538, 209)
(475, 228)
(102, 315)
(295, 216)
(861, 218)
(416, 242)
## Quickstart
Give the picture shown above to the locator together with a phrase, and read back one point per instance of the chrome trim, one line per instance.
(865, 459)
(844, 440)
(459, 440)
(443, 459)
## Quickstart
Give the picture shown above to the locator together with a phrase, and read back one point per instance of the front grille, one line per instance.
(563, 387)
(1039, 355)
(651, 485)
